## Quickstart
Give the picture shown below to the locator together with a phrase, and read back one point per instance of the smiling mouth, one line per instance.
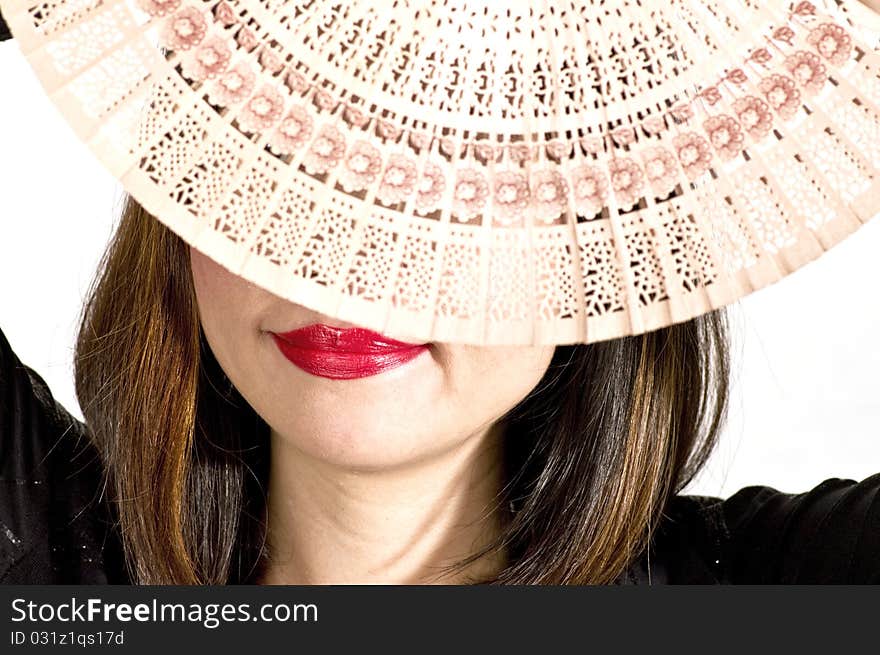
(344, 353)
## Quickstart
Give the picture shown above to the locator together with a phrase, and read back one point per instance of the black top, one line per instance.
(4, 30)
(54, 525)
(57, 527)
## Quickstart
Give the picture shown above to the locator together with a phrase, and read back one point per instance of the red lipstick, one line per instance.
(344, 353)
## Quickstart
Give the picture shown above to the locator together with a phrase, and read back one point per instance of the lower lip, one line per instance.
(340, 365)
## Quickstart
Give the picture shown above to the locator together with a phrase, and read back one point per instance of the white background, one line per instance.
(806, 351)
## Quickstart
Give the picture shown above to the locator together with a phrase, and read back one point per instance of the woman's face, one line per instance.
(429, 405)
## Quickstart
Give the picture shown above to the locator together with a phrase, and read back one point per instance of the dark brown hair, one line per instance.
(592, 454)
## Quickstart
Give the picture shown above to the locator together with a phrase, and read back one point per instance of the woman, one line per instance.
(519, 465)
(231, 436)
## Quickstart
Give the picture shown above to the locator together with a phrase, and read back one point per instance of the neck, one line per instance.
(332, 525)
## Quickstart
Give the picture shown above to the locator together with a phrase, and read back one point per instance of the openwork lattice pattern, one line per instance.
(475, 171)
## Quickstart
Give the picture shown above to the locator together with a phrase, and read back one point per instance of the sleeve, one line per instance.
(4, 30)
(827, 535)
(32, 422)
(46, 469)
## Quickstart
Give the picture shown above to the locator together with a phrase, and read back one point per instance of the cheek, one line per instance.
(226, 302)
(214, 285)
(499, 377)
(228, 308)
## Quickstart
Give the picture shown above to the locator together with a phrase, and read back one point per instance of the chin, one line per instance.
(370, 447)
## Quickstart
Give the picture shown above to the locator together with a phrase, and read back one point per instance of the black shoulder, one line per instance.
(688, 544)
(54, 522)
(760, 535)
(36, 432)
(4, 30)
(827, 535)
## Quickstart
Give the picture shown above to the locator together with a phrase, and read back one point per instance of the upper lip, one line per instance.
(319, 336)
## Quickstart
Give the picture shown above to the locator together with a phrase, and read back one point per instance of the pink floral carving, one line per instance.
(654, 125)
(559, 149)
(292, 132)
(511, 196)
(832, 42)
(355, 116)
(430, 188)
(761, 56)
(398, 180)
(694, 153)
(158, 8)
(485, 152)
(246, 39)
(325, 100)
(661, 169)
(326, 150)
(725, 134)
(519, 152)
(682, 112)
(183, 30)
(262, 111)
(469, 196)
(623, 136)
(592, 144)
(388, 130)
(419, 140)
(590, 189)
(550, 195)
(224, 14)
(737, 76)
(270, 61)
(782, 94)
(804, 9)
(209, 60)
(362, 165)
(448, 147)
(233, 86)
(784, 34)
(296, 82)
(808, 70)
(754, 115)
(627, 180)
(711, 95)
